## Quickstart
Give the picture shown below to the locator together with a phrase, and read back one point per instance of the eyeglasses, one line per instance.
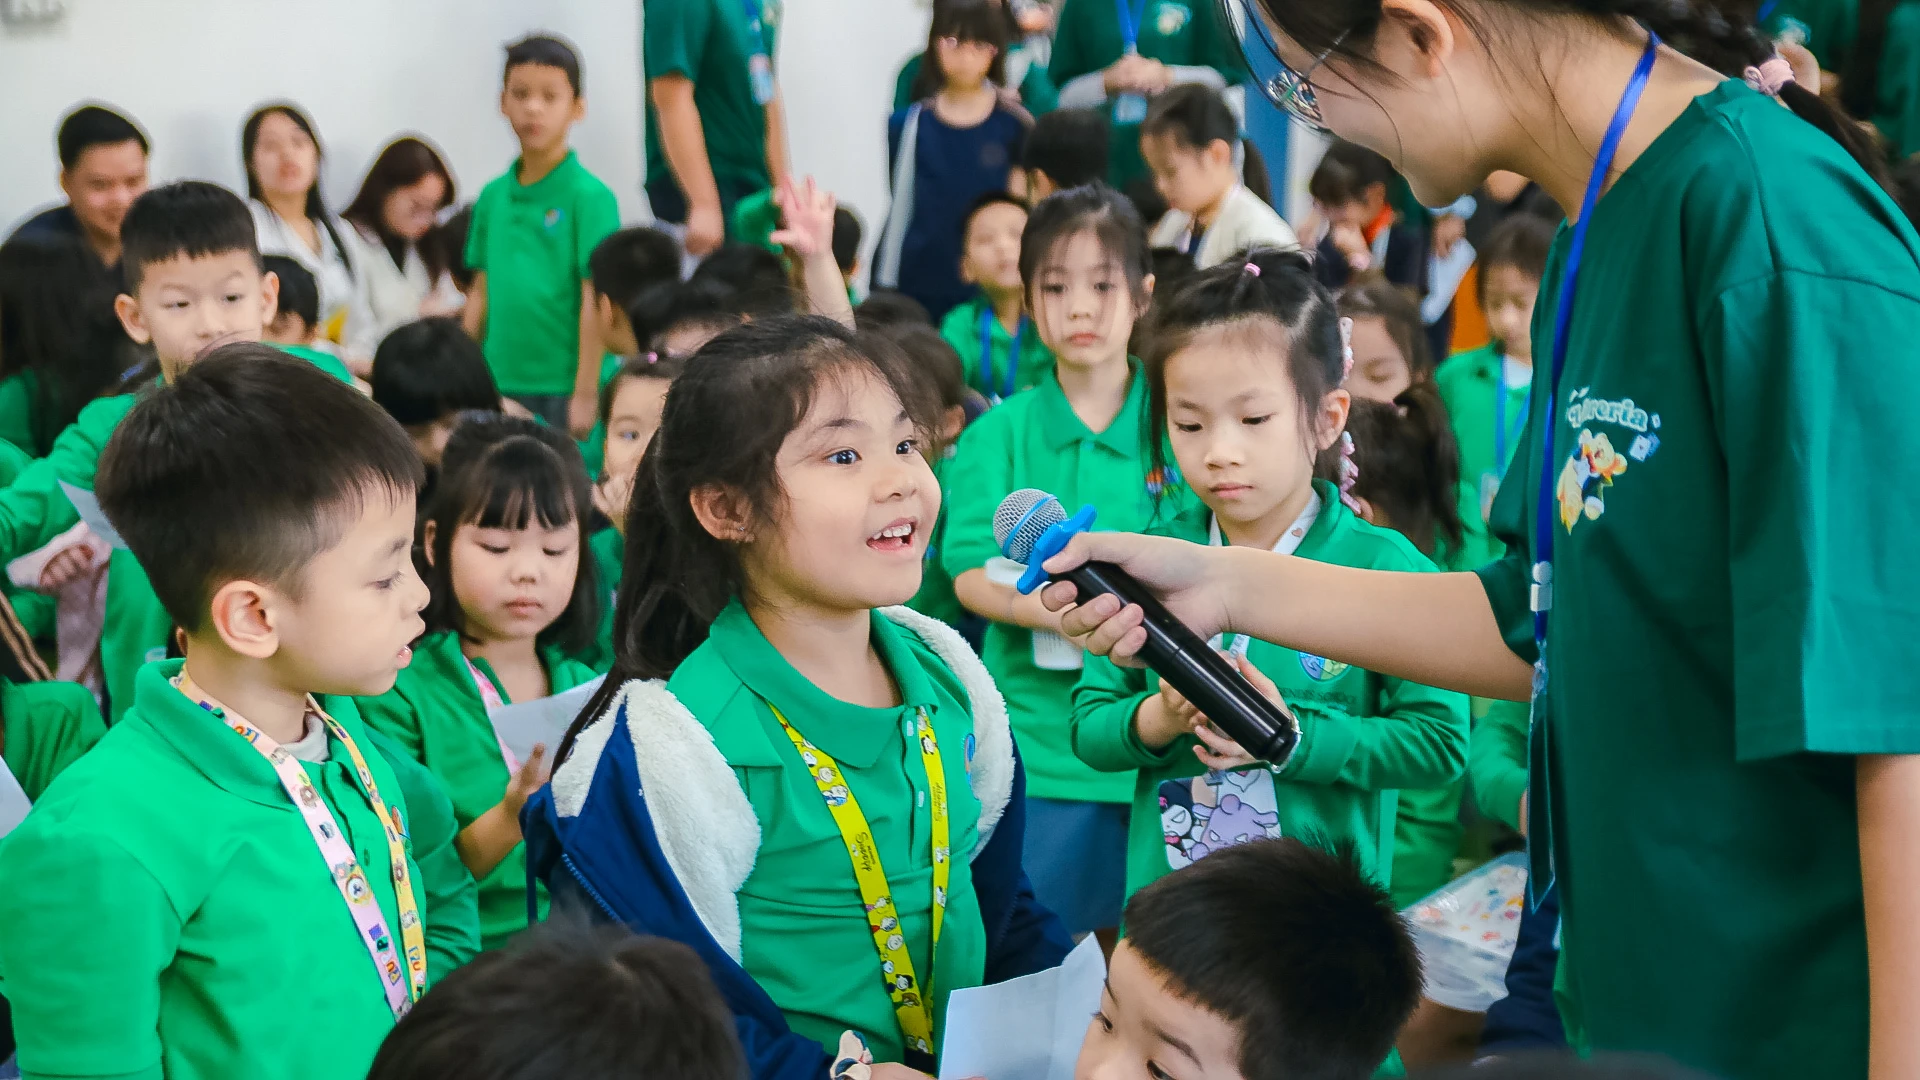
(1287, 89)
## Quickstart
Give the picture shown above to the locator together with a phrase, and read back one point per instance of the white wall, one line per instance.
(367, 70)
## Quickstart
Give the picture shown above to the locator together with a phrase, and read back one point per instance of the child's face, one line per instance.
(860, 501)
(1380, 371)
(430, 439)
(1359, 213)
(1508, 296)
(189, 304)
(1084, 307)
(285, 159)
(964, 63)
(1242, 437)
(992, 257)
(540, 104)
(1145, 1031)
(358, 606)
(287, 329)
(513, 583)
(1191, 180)
(631, 422)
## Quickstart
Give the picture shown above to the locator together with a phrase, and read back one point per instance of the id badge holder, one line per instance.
(1130, 109)
(1489, 487)
(760, 73)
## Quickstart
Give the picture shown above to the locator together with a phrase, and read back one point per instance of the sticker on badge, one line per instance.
(1489, 487)
(1172, 18)
(1129, 109)
(552, 220)
(1216, 811)
(760, 72)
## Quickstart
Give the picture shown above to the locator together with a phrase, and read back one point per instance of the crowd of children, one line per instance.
(834, 764)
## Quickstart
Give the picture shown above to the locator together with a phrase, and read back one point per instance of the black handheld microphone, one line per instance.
(1031, 527)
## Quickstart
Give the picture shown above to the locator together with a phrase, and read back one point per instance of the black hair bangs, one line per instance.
(519, 484)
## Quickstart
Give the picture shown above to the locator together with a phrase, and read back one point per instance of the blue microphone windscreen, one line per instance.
(1022, 517)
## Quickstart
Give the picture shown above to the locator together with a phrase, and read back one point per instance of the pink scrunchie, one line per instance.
(1349, 472)
(1771, 76)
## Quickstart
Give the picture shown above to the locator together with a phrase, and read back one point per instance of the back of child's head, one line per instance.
(1407, 467)
(1346, 172)
(277, 452)
(187, 219)
(722, 427)
(933, 359)
(512, 473)
(1290, 945)
(1097, 210)
(631, 259)
(755, 275)
(648, 365)
(1522, 241)
(544, 50)
(674, 320)
(429, 370)
(569, 1000)
(847, 234)
(450, 236)
(1070, 146)
(1399, 312)
(1194, 115)
(890, 307)
(56, 320)
(299, 292)
(93, 125)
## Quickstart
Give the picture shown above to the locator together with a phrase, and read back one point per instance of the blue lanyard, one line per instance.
(986, 356)
(1130, 24)
(1503, 435)
(1541, 594)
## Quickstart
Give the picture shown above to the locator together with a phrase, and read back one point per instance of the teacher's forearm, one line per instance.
(684, 140)
(1888, 793)
(1433, 629)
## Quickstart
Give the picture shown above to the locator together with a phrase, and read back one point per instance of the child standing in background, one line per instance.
(1067, 148)
(296, 320)
(511, 596)
(1188, 140)
(947, 151)
(935, 361)
(622, 266)
(427, 373)
(1245, 378)
(60, 345)
(1365, 236)
(1486, 391)
(1077, 434)
(1000, 351)
(534, 229)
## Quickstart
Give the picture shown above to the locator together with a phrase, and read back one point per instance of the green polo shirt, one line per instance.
(1035, 440)
(1362, 735)
(436, 715)
(609, 551)
(1178, 33)
(708, 42)
(533, 241)
(1733, 616)
(20, 410)
(181, 922)
(321, 359)
(48, 725)
(1497, 761)
(961, 328)
(1828, 29)
(1474, 388)
(804, 933)
(134, 632)
(36, 611)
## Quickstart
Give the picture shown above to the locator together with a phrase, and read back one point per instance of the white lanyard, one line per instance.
(1288, 543)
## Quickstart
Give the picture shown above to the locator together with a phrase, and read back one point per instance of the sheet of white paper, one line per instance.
(543, 720)
(89, 508)
(1028, 1028)
(13, 801)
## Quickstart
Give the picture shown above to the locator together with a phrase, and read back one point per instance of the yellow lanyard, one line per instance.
(913, 1006)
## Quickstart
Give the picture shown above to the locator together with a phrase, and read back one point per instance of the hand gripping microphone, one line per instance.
(1031, 527)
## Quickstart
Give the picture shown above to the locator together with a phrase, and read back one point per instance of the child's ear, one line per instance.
(269, 297)
(579, 107)
(1220, 153)
(129, 311)
(951, 426)
(242, 614)
(722, 512)
(503, 101)
(428, 530)
(1331, 419)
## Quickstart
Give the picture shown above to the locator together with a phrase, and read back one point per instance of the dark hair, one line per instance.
(988, 22)
(546, 50)
(847, 233)
(1561, 1065)
(933, 359)
(1253, 172)
(1409, 467)
(57, 321)
(299, 293)
(756, 276)
(1194, 114)
(890, 307)
(1395, 307)
(404, 163)
(1070, 146)
(569, 1000)
(1281, 309)
(282, 454)
(648, 365)
(185, 219)
(630, 260)
(1095, 208)
(991, 198)
(1722, 34)
(449, 238)
(1906, 188)
(93, 125)
(1345, 173)
(430, 369)
(663, 308)
(1293, 946)
(316, 207)
(1522, 241)
(508, 472)
(723, 425)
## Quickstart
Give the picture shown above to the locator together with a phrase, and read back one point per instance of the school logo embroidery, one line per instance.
(553, 217)
(1162, 478)
(1171, 18)
(1321, 669)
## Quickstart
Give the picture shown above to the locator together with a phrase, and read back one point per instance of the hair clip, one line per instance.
(1349, 472)
(1250, 269)
(1771, 76)
(1346, 349)
(651, 357)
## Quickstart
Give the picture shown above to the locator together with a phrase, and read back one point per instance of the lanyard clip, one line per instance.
(1540, 595)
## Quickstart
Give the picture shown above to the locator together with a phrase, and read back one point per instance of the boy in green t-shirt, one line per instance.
(296, 321)
(1000, 350)
(226, 885)
(534, 229)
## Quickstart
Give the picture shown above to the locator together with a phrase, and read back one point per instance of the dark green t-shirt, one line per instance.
(1733, 611)
(709, 42)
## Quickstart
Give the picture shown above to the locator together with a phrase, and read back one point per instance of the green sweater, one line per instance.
(48, 725)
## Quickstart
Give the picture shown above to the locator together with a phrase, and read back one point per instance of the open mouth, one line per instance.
(895, 537)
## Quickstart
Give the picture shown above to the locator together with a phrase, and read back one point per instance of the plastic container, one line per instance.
(1466, 931)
